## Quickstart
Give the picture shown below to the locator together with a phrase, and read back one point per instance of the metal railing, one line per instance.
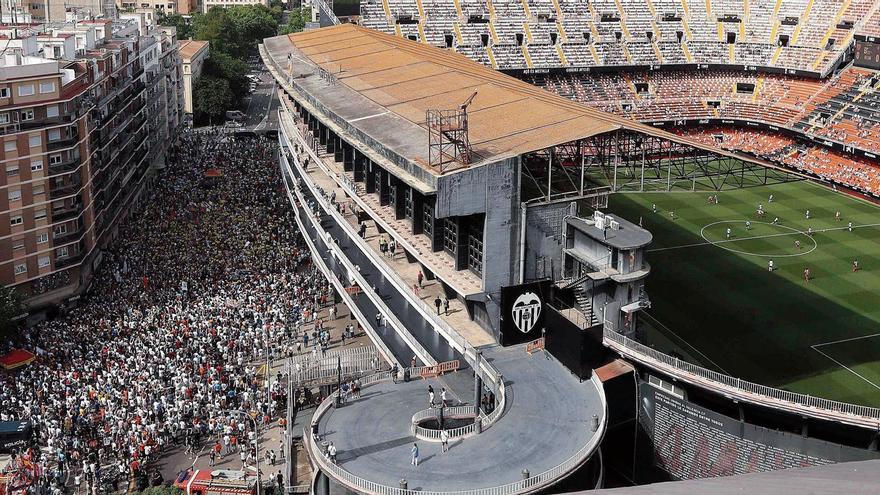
(737, 388)
(455, 412)
(328, 369)
(526, 485)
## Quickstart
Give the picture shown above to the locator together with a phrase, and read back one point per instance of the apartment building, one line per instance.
(80, 129)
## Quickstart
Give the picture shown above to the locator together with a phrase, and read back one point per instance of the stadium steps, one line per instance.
(805, 17)
(757, 92)
(491, 8)
(708, 9)
(776, 55)
(657, 34)
(687, 52)
(721, 31)
(558, 8)
(561, 55)
(731, 54)
(742, 30)
(623, 22)
(594, 53)
(494, 35)
(773, 32)
(585, 304)
(421, 10)
(387, 8)
(457, 5)
(653, 12)
(687, 10)
(422, 37)
(528, 32)
(458, 37)
(629, 57)
(687, 33)
(398, 31)
(491, 57)
(563, 36)
(657, 52)
(528, 57)
(525, 6)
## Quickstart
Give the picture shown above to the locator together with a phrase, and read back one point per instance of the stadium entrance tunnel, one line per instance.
(756, 238)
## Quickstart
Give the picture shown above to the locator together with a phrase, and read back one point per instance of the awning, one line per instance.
(16, 358)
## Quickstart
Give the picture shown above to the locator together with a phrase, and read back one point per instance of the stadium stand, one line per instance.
(800, 35)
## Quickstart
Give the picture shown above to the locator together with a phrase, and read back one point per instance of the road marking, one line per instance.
(847, 368)
(368, 116)
(846, 340)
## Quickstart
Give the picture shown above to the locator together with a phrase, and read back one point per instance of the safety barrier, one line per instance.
(527, 485)
(739, 389)
(535, 345)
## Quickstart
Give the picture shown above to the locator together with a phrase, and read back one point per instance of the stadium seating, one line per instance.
(808, 35)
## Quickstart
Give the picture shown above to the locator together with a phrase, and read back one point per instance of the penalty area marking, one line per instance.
(815, 347)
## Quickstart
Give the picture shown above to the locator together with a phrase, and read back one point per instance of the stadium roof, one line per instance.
(388, 83)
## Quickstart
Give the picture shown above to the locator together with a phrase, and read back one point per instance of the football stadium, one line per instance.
(732, 160)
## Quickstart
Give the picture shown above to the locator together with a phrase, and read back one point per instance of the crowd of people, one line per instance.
(208, 280)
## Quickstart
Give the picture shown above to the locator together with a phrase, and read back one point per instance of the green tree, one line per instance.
(184, 28)
(161, 490)
(211, 98)
(234, 70)
(296, 20)
(10, 307)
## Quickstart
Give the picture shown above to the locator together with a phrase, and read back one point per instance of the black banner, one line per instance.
(523, 312)
(14, 435)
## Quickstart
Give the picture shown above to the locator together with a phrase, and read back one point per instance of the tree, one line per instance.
(161, 490)
(297, 19)
(211, 97)
(235, 30)
(10, 307)
(184, 29)
(234, 70)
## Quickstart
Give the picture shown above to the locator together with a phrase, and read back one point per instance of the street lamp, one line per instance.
(256, 444)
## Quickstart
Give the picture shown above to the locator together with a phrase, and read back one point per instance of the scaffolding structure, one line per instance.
(448, 143)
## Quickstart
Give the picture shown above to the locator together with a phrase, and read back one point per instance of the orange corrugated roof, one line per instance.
(508, 117)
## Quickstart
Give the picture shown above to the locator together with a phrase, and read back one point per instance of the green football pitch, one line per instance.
(715, 302)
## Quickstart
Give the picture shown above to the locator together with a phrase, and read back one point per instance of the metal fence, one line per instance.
(806, 405)
(526, 485)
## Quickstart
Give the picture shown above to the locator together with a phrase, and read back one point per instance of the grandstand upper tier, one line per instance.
(797, 36)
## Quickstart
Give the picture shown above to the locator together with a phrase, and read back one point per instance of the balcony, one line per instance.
(65, 142)
(65, 189)
(67, 165)
(62, 214)
(68, 236)
(69, 260)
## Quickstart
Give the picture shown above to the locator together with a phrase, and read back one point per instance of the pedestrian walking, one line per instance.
(444, 441)
(430, 396)
(446, 306)
(415, 454)
(437, 303)
(421, 278)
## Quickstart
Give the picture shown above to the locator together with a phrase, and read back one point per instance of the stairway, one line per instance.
(585, 305)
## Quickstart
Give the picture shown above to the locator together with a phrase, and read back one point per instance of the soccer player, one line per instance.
(837, 216)
(849, 226)
(807, 214)
(775, 220)
(810, 231)
(748, 225)
(797, 244)
(770, 266)
(770, 200)
(672, 215)
(728, 232)
(654, 207)
(855, 266)
(807, 275)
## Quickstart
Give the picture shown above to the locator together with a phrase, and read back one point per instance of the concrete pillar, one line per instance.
(478, 383)
(322, 134)
(347, 157)
(418, 212)
(370, 176)
(400, 199)
(337, 149)
(360, 164)
(382, 185)
(331, 141)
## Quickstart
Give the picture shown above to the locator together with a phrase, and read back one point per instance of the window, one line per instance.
(35, 141)
(60, 230)
(42, 237)
(47, 87)
(19, 269)
(52, 111)
(11, 170)
(16, 220)
(4, 118)
(450, 236)
(4, 92)
(10, 146)
(40, 214)
(27, 114)
(61, 252)
(15, 195)
(36, 165)
(54, 159)
(25, 90)
(18, 243)
(43, 261)
(54, 134)
(39, 190)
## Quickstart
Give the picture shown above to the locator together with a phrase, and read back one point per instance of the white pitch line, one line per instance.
(847, 368)
(846, 340)
(781, 234)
